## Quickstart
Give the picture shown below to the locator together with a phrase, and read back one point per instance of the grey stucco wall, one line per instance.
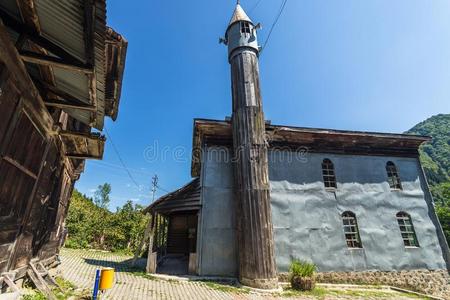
(307, 218)
(217, 250)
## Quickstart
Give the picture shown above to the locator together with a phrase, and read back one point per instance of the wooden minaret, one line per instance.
(254, 220)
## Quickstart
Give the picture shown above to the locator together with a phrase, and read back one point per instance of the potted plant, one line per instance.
(302, 275)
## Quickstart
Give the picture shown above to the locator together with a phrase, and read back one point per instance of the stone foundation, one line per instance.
(436, 283)
(264, 284)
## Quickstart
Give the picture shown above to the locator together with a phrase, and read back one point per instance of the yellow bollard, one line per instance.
(106, 278)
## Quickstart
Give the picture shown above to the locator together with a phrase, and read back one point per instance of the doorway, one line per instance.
(181, 242)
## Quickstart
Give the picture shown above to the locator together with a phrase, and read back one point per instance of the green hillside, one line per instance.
(435, 158)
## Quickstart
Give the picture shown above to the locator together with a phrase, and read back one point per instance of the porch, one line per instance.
(172, 231)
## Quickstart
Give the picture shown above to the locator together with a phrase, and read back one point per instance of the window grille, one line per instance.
(245, 27)
(351, 230)
(407, 230)
(329, 178)
(393, 177)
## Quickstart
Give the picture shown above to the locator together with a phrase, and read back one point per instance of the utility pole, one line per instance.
(148, 230)
(154, 186)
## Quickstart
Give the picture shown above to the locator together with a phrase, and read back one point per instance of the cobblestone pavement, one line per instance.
(78, 266)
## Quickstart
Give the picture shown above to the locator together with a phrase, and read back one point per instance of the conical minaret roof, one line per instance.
(239, 15)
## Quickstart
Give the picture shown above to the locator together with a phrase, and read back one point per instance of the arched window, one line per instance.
(393, 178)
(351, 230)
(407, 230)
(329, 178)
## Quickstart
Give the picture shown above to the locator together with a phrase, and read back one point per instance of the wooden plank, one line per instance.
(86, 135)
(34, 36)
(11, 283)
(82, 156)
(47, 60)
(20, 167)
(40, 283)
(192, 268)
(31, 98)
(147, 233)
(66, 96)
(64, 104)
(151, 262)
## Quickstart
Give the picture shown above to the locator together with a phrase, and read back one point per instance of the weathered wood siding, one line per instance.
(35, 178)
(254, 223)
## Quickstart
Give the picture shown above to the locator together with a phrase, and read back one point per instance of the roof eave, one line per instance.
(202, 130)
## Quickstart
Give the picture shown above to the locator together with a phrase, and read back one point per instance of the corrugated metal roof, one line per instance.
(186, 198)
(62, 23)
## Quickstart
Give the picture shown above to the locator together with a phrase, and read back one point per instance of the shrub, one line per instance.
(302, 268)
(302, 275)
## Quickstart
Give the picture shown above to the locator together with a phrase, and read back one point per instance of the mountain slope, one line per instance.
(435, 156)
(435, 159)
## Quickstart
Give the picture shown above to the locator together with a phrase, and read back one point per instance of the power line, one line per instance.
(134, 171)
(164, 190)
(254, 6)
(274, 23)
(120, 159)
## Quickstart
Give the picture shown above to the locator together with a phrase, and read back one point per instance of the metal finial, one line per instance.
(238, 2)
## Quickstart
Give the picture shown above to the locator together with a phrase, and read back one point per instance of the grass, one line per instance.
(140, 273)
(322, 293)
(99, 252)
(34, 296)
(318, 292)
(226, 288)
(65, 290)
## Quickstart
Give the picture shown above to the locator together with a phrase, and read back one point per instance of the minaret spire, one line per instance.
(253, 213)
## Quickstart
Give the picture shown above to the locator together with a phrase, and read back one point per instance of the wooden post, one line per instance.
(151, 257)
(255, 232)
(254, 219)
(147, 231)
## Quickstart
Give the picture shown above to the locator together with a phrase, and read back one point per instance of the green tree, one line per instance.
(443, 213)
(435, 159)
(82, 212)
(101, 196)
(91, 225)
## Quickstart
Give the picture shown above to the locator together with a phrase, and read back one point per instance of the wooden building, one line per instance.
(61, 72)
(174, 226)
(357, 204)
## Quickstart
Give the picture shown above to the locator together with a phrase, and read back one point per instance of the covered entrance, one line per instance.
(173, 231)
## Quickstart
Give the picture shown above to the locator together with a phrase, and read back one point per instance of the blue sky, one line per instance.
(375, 65)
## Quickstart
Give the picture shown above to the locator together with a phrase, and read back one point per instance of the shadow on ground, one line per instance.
(119, 266)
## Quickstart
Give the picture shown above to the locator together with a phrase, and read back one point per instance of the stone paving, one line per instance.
(78, 267)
